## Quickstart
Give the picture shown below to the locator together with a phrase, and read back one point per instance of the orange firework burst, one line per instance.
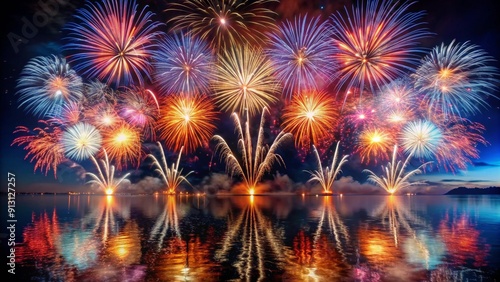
(187, 122)
(123, 144)
(43, 145)
(374, 142)
(309, 116)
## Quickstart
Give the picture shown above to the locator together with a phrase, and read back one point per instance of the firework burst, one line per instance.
(376, 43)
(326, 176)
(46, 85)
(98, 93)
(309, 117)
(224, 23)
(81, 141)
(105, 179)
(43, 145)
(421, 138)
(113, 41)
(374, 143)
(172, 176)
(183, 64)
(123, 143)
(301, 51)
(187, 122)
(244, 81)
(455, 79)
(461, 138)
(254, 162)
(139, 107)
(395, 178)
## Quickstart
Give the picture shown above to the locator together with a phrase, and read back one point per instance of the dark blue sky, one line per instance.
(474, 21)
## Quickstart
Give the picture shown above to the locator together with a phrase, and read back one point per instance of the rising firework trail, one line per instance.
(105, 178)
(326, 176)
(172, 176)
(394, 177)
(254, 162)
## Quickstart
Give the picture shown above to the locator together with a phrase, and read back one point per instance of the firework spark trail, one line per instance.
(113, 41)
(377, 42)
(300, 51)
(46, 84)
(183, 64)
(224, 23)
(395, 178)
(172, 176)
(326, 176)
(105, 179)
(255, 162)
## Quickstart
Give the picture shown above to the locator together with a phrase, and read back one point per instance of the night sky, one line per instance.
(474, 21)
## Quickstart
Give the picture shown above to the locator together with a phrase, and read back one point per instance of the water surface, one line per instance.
(259, 238)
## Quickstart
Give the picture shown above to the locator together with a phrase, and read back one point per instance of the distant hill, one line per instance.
(474, 191)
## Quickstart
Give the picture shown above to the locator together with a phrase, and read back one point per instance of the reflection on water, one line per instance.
(257, 238)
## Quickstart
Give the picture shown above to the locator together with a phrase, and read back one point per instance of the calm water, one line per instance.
(261, 238)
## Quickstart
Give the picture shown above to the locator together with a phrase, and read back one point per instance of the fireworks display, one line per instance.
(183, 64)
(223, 23)
(186, 122)
(172, 176)
(81, 141)
(309, 117)
(300, 52)
(244, 81)
(359, 75)
(326, 176)
(254, 161)
(456, 79)
(105, 178)
(394, 176)
(113, 41)
(46, 84)
(377, 42)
